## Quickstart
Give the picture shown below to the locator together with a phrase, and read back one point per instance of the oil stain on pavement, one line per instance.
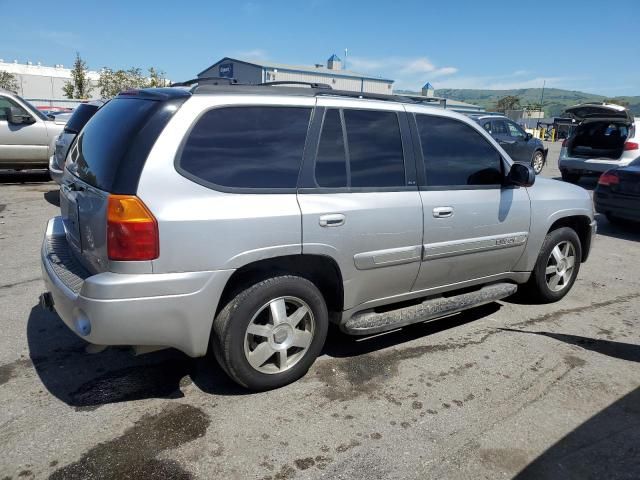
(133, 454)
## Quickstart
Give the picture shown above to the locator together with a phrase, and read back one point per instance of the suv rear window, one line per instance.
(246, 147)
(81, 115)
(113, 146)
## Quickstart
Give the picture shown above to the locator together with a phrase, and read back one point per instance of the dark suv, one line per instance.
(520, 145)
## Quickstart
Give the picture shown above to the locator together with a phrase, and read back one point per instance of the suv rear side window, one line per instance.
(247, 147)
(455, 154)
(375, 148)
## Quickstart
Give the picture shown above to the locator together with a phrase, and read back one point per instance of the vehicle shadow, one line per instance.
(9, 177)
(623, 231)
(588, 183)
(606, 445)
(87, 381)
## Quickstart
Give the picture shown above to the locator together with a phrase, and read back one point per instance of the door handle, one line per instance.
(442, 212)
(332, 220)
(505, 142)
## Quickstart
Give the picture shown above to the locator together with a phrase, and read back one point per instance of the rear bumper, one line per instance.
(588, 166)
(168, 310)
(54, 171)
(625, 207)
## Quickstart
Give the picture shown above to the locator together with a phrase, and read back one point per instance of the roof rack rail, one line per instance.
(293, 82)
(206, 81)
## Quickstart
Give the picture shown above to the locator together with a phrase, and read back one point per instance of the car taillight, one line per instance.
(609, 178)
(630, 146)
(132, 230)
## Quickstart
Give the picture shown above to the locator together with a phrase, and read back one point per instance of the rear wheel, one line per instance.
(570, 177)
(269, 335)
(557, 266)
(537, 162)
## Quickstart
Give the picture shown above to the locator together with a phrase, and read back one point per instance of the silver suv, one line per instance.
(27, 136)
(243, 219)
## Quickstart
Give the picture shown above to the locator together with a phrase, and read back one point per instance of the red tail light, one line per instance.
(132, 230)
(609, 178)
(630, 146)
(564, 142)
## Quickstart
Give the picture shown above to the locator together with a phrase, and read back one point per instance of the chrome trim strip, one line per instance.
(388, 257)
(473, 245)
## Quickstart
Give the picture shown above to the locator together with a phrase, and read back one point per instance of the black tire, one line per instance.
(570, 177)
(538, 289)
(538, 159)
(231, 324)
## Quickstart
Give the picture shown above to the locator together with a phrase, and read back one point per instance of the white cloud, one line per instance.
(508, 81)
(255, 54)
(408, 73)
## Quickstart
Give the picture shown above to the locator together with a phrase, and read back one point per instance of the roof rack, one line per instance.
(206, 81)
(323, 86)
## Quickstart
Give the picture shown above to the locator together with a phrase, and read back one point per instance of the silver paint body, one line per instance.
(27, 145)
(389, 246)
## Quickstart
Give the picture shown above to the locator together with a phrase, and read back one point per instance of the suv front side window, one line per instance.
(515, 131)
(6, 103)
(500, 127)
(456, 155)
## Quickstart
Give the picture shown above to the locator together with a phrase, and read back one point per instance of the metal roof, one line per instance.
(301, 68)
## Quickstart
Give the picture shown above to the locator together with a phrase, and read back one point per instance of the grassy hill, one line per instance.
(555, 99)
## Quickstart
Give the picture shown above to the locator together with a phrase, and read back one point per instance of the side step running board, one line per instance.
(369, 322)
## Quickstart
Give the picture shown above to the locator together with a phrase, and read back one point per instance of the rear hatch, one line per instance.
(107, 157)
(602, 131)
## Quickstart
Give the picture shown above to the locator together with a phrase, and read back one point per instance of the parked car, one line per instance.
(27, 135)
(245, 218)
(521, 146)
(617, 194)
(605, 137)
(77, 120)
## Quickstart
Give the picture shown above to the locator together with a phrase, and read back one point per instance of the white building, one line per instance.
(43, 85)
(333, 74)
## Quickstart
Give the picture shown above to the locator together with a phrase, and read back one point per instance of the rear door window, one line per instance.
(246, 147)
(375, 148)
(455, 154)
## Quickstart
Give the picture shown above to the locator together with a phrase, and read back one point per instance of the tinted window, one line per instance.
(456, 154)
(499, 128)
(101, 147)
(375, 148)
(81, 115)
(331, 162)
(247, 147)
(515, 131)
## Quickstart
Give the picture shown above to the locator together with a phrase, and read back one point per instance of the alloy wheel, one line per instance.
(560, 266)
(538, 162)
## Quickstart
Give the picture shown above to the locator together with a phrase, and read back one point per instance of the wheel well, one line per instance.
(321, 270)
(582, 226)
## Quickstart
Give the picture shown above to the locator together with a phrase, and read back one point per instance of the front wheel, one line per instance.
(538, 161)
(557, 266)
(269, 335)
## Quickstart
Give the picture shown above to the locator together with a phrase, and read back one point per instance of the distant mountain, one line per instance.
(555, 99)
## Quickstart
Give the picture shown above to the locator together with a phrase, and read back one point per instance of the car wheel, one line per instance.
(269, 335)
(557, 266)
(538, 161)
(570, 177)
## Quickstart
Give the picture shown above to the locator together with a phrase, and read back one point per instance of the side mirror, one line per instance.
(521, 175)
(527, 136)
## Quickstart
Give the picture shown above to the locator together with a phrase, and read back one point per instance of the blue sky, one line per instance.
(581, 45)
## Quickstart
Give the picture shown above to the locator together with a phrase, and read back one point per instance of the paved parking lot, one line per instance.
(502, 390)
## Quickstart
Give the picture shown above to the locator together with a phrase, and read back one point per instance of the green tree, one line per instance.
(8, 81)
(510, 102)
(80, 86)
(112, 82)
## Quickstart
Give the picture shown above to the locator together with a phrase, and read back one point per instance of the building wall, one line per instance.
(336, 82)
(242, 72)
